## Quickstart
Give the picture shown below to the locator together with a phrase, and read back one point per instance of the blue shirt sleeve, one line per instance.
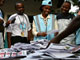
(1, 15)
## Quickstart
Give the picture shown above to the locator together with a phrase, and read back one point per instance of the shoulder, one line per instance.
(37, 15)
(13, 16)
(25, 14)
(71, 15)
(53, 15)
(59, 15)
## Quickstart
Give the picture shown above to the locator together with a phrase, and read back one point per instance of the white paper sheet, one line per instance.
(52, 31)
(61, 55)
(53, 46)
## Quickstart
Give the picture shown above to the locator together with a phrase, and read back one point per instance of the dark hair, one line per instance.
(17, 4)
(68, 2)
(41, 8)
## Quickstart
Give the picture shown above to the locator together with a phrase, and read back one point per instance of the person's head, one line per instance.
(46, 6)
(1, 2)
(66, 6)
(19, 8)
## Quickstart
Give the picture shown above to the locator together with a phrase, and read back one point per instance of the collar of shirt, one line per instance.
(48, 17)
(45, 19)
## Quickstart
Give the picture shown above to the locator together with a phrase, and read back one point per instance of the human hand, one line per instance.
(79, 13)
(54, 40)
(7, 23)
(56, 33)
(42, 34)
(12, 21)
(1, 22)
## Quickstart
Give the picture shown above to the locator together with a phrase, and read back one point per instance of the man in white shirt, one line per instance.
(19, 26)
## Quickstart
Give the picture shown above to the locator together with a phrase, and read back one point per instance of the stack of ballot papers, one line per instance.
(7, 55)
(59, 46)
(35, 45)
(76, 49)
(41, 43)
(61, 55)
(23, 46)
(37, 56)
(57, 51)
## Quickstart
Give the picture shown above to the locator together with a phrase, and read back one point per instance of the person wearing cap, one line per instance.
(1, 26)
(64, 18)
(44, 22)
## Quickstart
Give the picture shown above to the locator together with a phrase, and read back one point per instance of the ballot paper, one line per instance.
(52, 31)
(7, 54)
(59, 46)
(76, 49)
(23, 46)
(2, 54)
(61, 55)
(55, 46)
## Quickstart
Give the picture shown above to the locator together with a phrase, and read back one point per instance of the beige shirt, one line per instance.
(34, 30)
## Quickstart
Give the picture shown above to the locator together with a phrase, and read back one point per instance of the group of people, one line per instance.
(18, 26)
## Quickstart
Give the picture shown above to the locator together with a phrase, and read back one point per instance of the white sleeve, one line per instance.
(34, 31)
(1, 18)
(29, 25)
(9, 29)
(12, 17)
(56, 25)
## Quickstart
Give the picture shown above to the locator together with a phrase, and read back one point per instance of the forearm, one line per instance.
(73, 26)
(1, 21)
(7, 23)
(29, 35)
(9, 39)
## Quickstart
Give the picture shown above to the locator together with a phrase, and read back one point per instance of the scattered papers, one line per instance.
(76, 49)
(4, 55)
(57, 46)
(61, 55)
(52, 31)
(53, 46)
(33, 50)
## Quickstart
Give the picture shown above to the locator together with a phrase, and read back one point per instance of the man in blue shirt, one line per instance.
(44, 22)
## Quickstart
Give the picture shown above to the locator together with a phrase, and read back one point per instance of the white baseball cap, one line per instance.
(47, 2)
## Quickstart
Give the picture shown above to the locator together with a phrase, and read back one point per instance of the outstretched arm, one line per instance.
(73, 26)
(1, 21)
